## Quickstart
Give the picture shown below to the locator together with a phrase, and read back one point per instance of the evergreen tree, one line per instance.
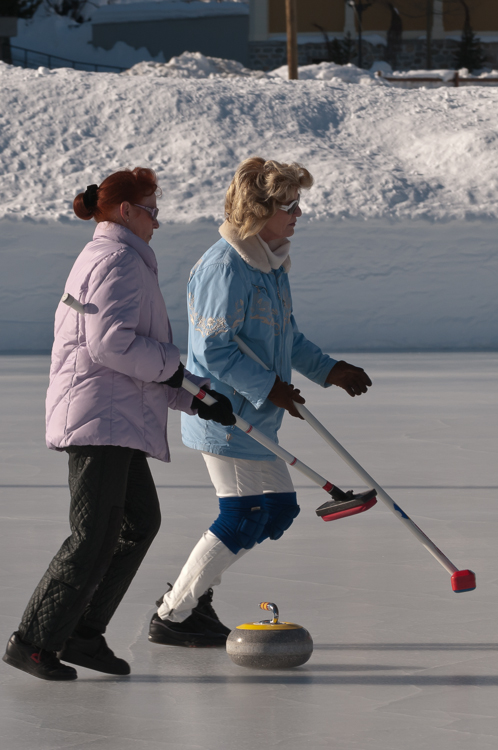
(339, 52)
(470, 53)
(335, 52)
(347, 48)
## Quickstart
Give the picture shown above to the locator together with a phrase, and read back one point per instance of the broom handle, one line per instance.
(360, 471)
(260, 437)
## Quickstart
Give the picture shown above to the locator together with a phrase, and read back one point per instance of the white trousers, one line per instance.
(238, 477)
(231, 477)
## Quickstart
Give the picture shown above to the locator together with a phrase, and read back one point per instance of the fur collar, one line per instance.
(251, 250)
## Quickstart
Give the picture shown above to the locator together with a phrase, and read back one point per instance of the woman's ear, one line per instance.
(124, 211)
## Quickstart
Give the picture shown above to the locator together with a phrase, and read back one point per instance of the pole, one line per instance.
(430, 23)
(291, 28)
(261, 438)
(360, 37)
(360, 471)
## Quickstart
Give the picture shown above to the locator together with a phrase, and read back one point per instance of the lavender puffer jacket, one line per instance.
(107, 365)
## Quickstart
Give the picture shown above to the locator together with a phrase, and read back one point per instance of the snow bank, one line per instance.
(194, 65)
(375, 151)
(411, 79)
(356, 285)
(394, 250)
(328, 71)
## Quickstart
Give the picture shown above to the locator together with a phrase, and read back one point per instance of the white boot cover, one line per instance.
(206, 564)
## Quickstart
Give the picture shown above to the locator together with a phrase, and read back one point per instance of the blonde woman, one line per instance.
(241, 286)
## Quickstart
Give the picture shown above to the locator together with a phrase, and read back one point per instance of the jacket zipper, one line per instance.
(277, 281)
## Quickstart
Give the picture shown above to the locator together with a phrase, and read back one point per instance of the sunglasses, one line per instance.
(292, 207)
(152, 211)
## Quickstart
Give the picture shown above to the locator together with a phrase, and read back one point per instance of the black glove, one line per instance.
(221, 412)
(176, 380)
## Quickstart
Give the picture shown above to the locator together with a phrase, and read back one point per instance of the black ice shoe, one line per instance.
(197, 631)
(35, 661)
(204, 607)
(93, 653)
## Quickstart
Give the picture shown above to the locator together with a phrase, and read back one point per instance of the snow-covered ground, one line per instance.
(375, 151)
(399, 662)
(397, 246)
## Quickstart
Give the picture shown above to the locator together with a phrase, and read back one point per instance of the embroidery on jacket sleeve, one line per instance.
(239, 315)
(262, 310)
(205, 326)
(214, 326)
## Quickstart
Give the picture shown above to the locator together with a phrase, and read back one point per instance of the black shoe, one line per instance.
(161, 599)
(194, 632)
(204, 607)
(36, 661)
(93, 653)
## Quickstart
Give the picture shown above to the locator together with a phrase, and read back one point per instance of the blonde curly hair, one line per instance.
(257, 189)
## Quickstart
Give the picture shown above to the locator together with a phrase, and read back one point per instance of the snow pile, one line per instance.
(328, 71)
(437, 75)
(442, 74)
(375, 151)
(194, 65)
(410, 79)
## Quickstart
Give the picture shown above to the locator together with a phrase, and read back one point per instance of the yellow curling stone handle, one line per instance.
(269, 626)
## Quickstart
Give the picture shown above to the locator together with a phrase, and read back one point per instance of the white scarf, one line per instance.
(254, 251)
(277, 251)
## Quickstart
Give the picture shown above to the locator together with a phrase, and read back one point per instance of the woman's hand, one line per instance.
(284, 395)
(353, 379)
(176, 379)
(221, 411)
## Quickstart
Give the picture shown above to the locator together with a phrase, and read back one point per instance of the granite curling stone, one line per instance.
(269, 644)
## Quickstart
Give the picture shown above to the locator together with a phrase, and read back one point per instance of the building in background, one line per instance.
(320, 22)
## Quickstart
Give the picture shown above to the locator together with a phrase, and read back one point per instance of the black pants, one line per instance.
(114, 516)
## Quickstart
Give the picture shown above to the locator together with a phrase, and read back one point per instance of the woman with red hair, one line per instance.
(114, 374)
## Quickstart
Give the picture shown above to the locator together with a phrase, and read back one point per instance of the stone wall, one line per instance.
(412, 55)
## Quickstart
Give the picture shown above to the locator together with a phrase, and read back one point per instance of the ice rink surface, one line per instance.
(400, 661)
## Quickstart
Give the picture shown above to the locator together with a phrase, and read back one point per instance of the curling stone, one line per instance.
(269, 644)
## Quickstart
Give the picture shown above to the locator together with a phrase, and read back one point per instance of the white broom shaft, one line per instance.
(360, 471)
(260, 437)
(381, 493)
(69, 300)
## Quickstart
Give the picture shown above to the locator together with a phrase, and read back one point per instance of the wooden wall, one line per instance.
(326, 13)
(330, 15)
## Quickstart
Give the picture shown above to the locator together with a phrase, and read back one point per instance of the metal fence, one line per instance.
(29, 58)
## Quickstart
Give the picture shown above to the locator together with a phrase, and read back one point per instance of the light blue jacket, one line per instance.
(233, 290)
